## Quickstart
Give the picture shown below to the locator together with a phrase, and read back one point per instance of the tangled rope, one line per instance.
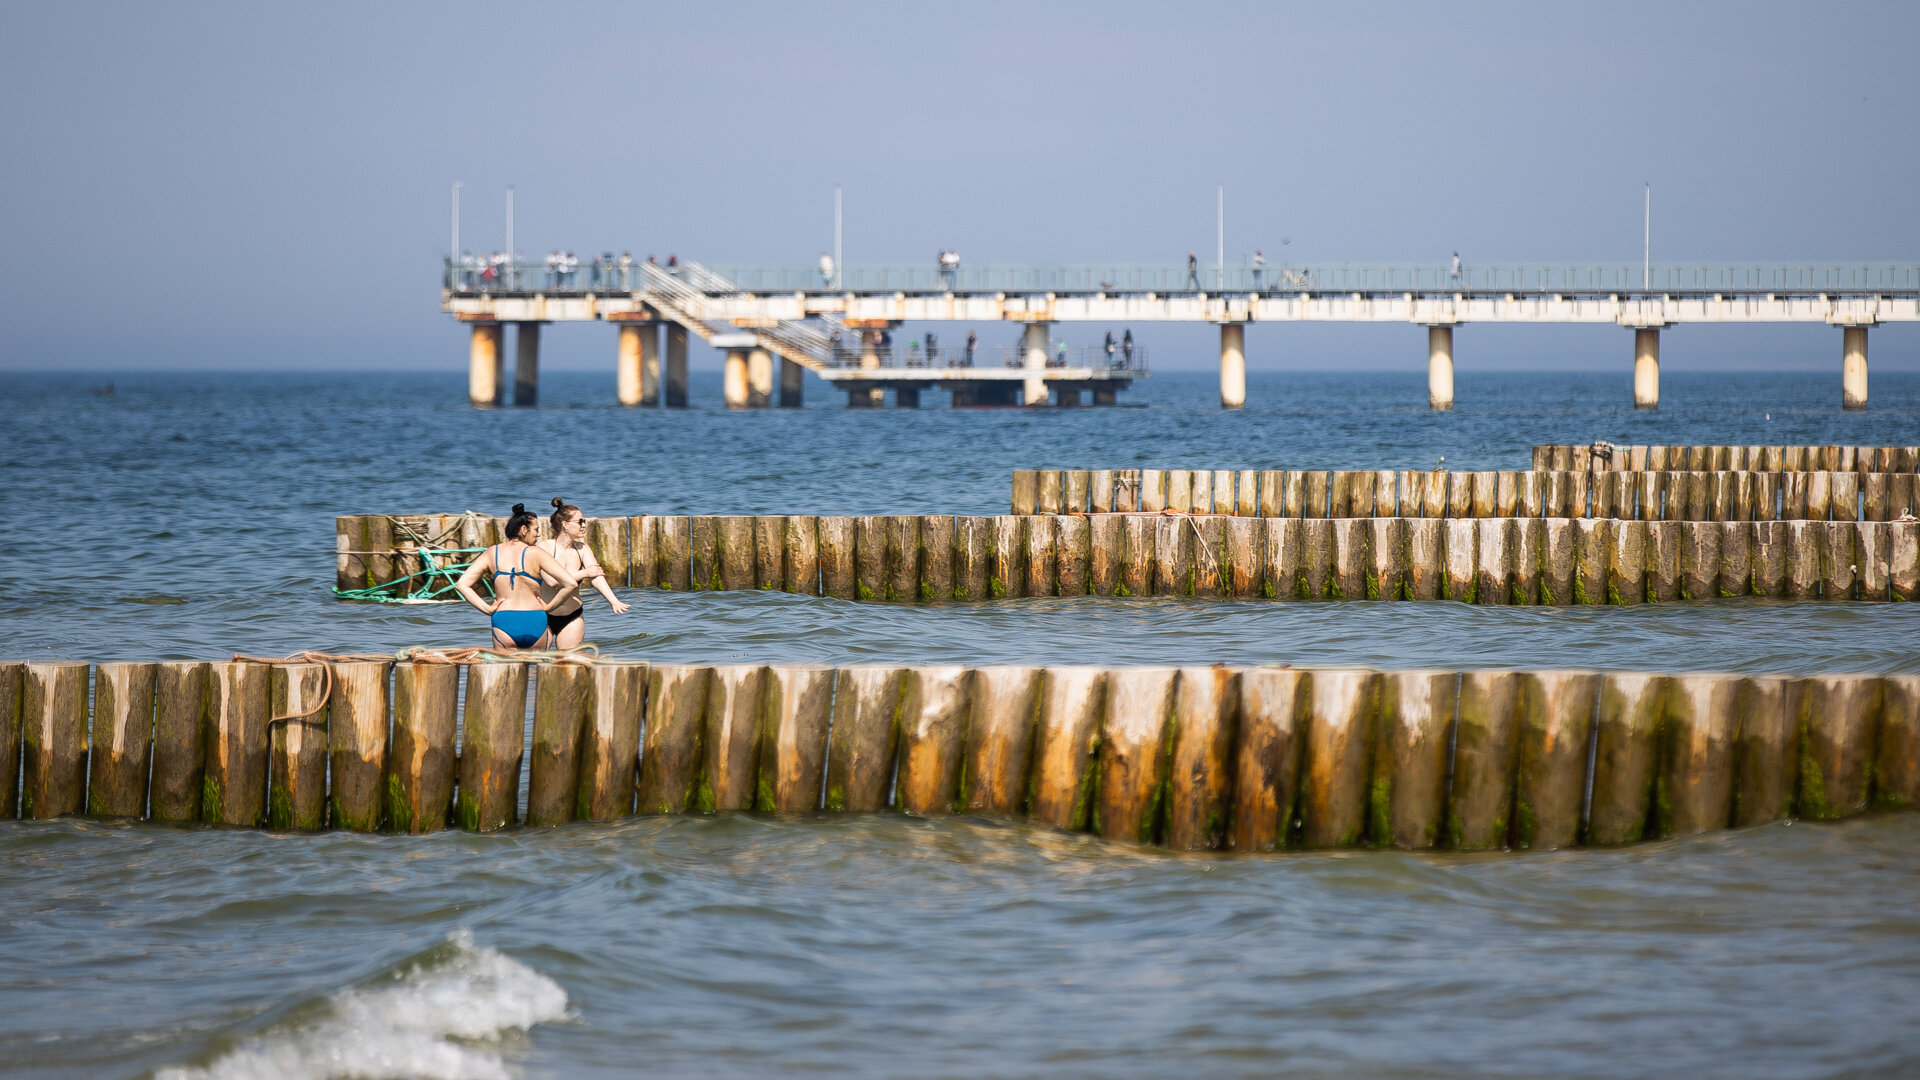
(441, 563)
(585, 656)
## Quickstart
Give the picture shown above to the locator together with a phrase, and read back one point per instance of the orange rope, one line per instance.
(417, 654)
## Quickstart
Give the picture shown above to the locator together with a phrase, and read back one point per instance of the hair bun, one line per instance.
(558, 503)
(519, 508)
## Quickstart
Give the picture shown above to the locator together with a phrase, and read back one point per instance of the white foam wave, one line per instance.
(439, 1019)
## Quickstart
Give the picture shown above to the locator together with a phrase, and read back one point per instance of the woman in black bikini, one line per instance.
(569, 548)
(518, 611)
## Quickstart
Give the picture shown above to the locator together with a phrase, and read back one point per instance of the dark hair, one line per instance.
(520, 520)
(561, 509)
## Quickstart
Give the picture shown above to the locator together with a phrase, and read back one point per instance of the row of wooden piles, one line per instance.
(1604, 457)
(1669, 495)
(1191, 758)
(1555, 561)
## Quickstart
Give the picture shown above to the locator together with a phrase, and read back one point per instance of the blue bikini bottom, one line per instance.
(524, 628)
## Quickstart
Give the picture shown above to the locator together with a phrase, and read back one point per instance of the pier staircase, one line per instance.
(686, 297)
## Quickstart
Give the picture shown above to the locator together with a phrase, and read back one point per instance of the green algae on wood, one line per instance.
(297, 769)
(1071, 703)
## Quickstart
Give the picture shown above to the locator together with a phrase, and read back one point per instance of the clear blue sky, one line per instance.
(267, 185)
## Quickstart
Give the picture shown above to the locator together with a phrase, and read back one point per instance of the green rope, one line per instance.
(437, 581)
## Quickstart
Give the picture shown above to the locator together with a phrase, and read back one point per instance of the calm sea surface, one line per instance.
(190, 516)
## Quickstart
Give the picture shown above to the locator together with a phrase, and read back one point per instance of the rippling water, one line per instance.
(190, 516)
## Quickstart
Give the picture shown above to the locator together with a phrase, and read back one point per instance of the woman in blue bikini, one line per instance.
(518, 613)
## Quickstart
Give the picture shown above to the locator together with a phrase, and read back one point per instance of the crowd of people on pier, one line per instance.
(499, 271)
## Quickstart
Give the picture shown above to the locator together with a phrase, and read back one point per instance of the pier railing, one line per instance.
(1576, 279)
(847, 352)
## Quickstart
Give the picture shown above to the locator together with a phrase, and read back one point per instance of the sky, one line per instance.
(267, 186)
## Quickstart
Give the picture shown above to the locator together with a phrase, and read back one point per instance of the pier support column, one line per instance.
(759, 379)
(1646, 368)
(526, 364)
(793, 380)
(1853, 367)
(630, 365)
(906, 397)
(1233, 365)
(1440, 368)
(868, 397)
(1105, 395)
(674, 386)
(650, 365)
(1033, 355)
(733, 381)
(483, 365)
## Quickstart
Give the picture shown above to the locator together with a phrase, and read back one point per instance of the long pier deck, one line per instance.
(838, 324)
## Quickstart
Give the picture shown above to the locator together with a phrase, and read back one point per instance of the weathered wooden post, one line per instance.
(736, 553)
(1066, 738)
(1073, 555)
(297, 763)
(870, 557)
(1245, 544)
(1172, 556)
(1663, 561)
(236, 774)
(122, 739)
(1041, 555)
(1693, 787)
(493, 727)
(1336, 760)
(1200, 771)
(643, 566)
(1426, 558)
(1767, 749)
(1100, 484)
(1554, 728)
(1074, 485)
(1769, 558)
(933, 719)
(1627, 563)
(703, 552)
(1896, 756)
(1351, 560)
(1838, 561)
(797, 711)
(865, 733)
(935, 557)
(53, 740)
(1407, 796)
(1137, 555)
(1386, 544)
(1483, 493)
(1462, 555)
(1180, 491)
(1319, 493)
(1317, 552)
(1558, 559)
(1699, 559)
(730, 757)
(1459, 495)
(903, 558)
(1049, 497)
(1903, 560)
(1153, 491)
(999, 740)
(800, 555)
(1506, 494)
(1266, 757)
(674, 568)
(1839, 715)
(1485, 751)
(1210, 570)
(420, 767)
(769, 552)
(1133, 754)
(179, 740)
(561, 694)
(972, 561)
(1803, 559)
(11, 672)
(357, 743)
(1736, 558)
(1493, 561)
(1026, 491)
(838, 576)
(1009, 555)
(1626, 756)
(1873, 557)
(608, 539)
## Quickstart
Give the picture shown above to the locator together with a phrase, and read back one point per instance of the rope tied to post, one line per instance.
(586, 656)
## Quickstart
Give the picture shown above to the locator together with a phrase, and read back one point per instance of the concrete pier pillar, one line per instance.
(1440, 368)
(674, 387)
(906, 397)
(1233, 365)
(759, 379)
(1105, 395)
(630, 365)
(792, 383)
(483, 365)
(1646, 369)
(1853, 367)
(1033, 357)
(868, 397)
(526, 364)
(733, 382)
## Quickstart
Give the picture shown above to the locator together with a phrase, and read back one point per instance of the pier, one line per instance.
(838, 324)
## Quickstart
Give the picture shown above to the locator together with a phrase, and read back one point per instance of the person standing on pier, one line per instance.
(826, 270)
(1126, 346)
(569, 548)
(517, 613)
(1259, 269)
(1110, 347)
(971, 341)
(1193, 271)
(1455, 273)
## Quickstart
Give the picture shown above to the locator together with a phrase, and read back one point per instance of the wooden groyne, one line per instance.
(1494, 560)
(1192, 758)
(1606, 457)
(1665, 495)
